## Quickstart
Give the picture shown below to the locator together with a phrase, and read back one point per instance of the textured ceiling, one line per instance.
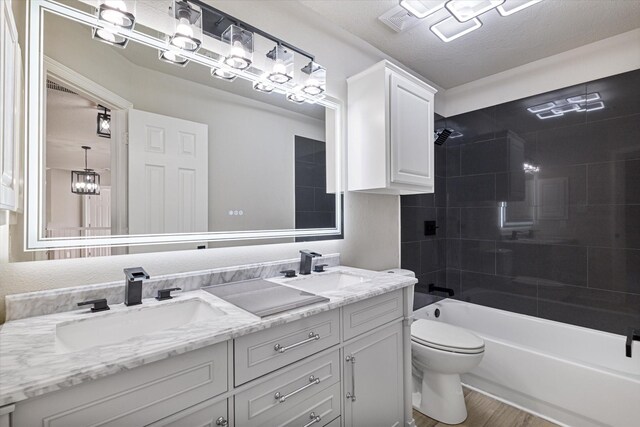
(545, 29)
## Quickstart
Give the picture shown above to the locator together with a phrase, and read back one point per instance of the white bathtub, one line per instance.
(570, 375)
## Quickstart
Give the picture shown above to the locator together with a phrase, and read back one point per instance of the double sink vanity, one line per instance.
(342, 359)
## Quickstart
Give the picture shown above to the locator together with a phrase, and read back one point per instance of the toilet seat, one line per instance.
(445, 337)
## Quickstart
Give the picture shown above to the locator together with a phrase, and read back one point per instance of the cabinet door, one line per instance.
(10, 80)
(205, 414)
(373, 373)
(411, 133)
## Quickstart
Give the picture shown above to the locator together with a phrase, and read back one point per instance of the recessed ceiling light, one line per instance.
(450, 29)
(465, 10)
(513, 6)
(422, 8)
(109, 37)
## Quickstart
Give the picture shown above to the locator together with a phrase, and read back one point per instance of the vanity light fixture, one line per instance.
(315, 84)
(509, 7)
(188, 29)
(465, 10)
(240, 47)
(450, 29)
(223, 74)
(172, 57)
(85, 182)
(104, 122)
(422, 8)
(117, 12)
(109, 36)
(281, 61)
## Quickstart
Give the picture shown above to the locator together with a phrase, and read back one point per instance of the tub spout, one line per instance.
(633, 335)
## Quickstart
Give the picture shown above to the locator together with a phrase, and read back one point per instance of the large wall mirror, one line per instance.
(127, 152)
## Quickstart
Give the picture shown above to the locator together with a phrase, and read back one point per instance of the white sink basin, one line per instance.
(116, 327)
(324, 282)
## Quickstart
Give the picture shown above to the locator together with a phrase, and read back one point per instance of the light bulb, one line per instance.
(184, 28)
(279, 73)
(117, 14)
(237, 58)
(312, 87)
(263, 87)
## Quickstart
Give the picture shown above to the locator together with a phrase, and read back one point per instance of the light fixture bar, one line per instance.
(541, 107)
(208, 9)
(450, 29)
(465, 10)
(590, 97)
(508, 10)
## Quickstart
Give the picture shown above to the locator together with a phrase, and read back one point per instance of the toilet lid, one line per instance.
(445, 337)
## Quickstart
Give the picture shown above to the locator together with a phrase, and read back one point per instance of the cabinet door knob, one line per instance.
(222, 422)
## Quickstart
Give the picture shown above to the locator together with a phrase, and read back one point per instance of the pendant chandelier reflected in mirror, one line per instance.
(85, 182)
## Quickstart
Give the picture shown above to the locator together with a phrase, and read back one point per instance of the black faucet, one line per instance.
(633, 335)
(305, 260)
(433, 288)
(133, 287)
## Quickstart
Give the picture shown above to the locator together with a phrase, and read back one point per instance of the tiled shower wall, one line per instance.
(559, 241)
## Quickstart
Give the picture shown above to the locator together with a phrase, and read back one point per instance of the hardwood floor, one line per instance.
(487, 412)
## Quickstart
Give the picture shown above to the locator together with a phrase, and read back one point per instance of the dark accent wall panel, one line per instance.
(539, 215)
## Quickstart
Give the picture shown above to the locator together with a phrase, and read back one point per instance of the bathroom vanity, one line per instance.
(199, 360)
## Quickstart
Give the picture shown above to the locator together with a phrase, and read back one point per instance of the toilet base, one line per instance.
(441, 398)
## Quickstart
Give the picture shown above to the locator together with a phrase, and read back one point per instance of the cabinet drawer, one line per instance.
(204, 414)
(259, 404)
(132, 398)
(256, 354)
(325, 407)
(373, 312)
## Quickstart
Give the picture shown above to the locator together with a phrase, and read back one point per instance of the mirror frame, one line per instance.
(35, 167)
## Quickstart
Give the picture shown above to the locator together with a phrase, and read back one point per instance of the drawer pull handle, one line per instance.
(312, 337)
(221, 421)
(351, 395)
(314, 419)
(312, 381)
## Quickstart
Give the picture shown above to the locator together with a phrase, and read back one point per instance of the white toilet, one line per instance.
(440, 353)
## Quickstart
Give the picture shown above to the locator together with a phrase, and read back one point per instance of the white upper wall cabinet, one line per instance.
(10, 90)
(390, 121)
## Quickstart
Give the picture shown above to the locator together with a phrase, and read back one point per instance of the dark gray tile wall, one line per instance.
(560, 243)
(314, 208)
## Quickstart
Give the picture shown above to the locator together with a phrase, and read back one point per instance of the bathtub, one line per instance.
(569, 375)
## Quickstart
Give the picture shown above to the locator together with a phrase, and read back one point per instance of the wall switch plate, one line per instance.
(430, 228)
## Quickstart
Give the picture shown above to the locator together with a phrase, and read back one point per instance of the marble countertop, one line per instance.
(32, 362)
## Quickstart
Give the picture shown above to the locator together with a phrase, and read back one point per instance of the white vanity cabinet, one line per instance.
(342, 367)
(390, 127)
(136, 397)
(10, 93)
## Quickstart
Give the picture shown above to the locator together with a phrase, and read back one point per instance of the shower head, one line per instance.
(442, 136)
